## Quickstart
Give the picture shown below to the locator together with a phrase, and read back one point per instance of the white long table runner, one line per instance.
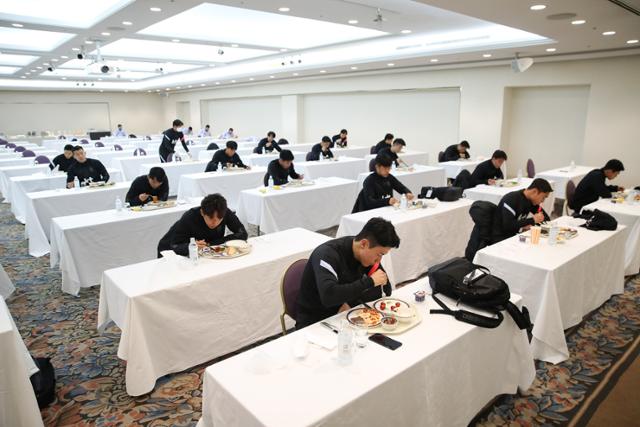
(344, 167)
(559, 284)
(314, 207)
(175, 315)
(420, 176)
(629, 215)
(444, 373)
(43, 206)
(8, 172)
(563, 175)
(448, 224)
(174, 170)
(18, 405)
(87, 244)
(493, 194)
(229, 184)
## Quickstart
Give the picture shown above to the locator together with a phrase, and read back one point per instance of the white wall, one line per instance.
(75, 112)
(550, 120)
(247, 116)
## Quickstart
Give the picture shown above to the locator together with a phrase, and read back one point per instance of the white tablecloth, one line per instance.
(107, 157)
(629, 215)
(43, 206)
(16, 161)
(453, 168)
(229, 184)
(18, 405)
(444, 373)
(356, 151)
(563, 175)
(559, 284)
(344, 167)
(314, 207)
(130, 165)
(493, 194)
(6, 285)
(410, 157)
(11, 171)
(175, 315)
(448, 224)
(265, 159)
(22, 185)
(88, 244)
(421, 176)
(174, 170)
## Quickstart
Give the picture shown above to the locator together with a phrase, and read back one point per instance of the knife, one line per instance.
(329, 326)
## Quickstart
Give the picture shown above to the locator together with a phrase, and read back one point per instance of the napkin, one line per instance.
(323, 339)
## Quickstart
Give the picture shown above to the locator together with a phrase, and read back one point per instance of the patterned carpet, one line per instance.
(91, 389)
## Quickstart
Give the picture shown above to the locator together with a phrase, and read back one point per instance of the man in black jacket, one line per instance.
(339, 273)
(512, 214)
(593, 185)
(207, 224)
(340, 140)
(268, 144)
(392, 152)
(64, 160)
(170, 138)
(321, 149)
(457, 152)
(226, 158)
(489, 171)
(281, 169)
(145, 187)
(385, 143)
(377, 188)
(85, 169)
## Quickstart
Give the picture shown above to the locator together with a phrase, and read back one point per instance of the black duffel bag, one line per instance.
(598, 220)
(476, 287)
(444, 194)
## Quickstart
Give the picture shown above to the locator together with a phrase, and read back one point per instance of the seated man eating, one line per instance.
(377, 188)
(63, 161)
(85, 169)
(392, 152)
(145, 187)
(226, 158)
(281, 169)
(593, 185)
(321, 150)
(489, 171)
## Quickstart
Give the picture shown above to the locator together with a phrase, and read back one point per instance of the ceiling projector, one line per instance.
(520, 65)
(98, 67)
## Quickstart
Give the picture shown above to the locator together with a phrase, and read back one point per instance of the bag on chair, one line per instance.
(476, 287)
(444, 194)
(44, 382)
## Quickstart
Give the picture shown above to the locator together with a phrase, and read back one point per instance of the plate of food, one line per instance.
(228, 250)
(506, 183)
(234, 169)
(299, 183)
(394, 307)
(99, 184)
(152, 206)
(364, 317)
(564, 233)
(417, 204)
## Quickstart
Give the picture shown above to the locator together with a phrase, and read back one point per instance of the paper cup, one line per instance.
(535, 235)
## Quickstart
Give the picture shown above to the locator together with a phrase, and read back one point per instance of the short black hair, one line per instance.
(465, 144)
(214, 204)
(326, 139)
(68, 147)
(614, 165)
(400, 141)
(190, 128)
(388, 136)
(383, 160)
(286, 155)
(207, 126)
(379, 232)
(178, 122)
(541, 185)
(499, 154)
(119, 125)
(157, 173)
(77, 148)
(74, 139)
(344, 131)
(283, 141)
(271, 134)
(231, 129)
(232, 144)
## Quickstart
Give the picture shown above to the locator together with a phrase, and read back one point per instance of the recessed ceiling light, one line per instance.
(64, 57)
(486, 55)
(354, 68)
(101, 90)
(105, 33)
(551, 49)
(217, 83)
(538, 7)
(126, 91)
(202, 84)
(251, 79)
(179, 87)
(127, 23)
(100, 80)
(175, 40)
(608, 33)
(190, 86)
(64, 78)
(155, 9)
(271, 77)
(434, 60)
(23, 77)
(54, 59)
(352, 21)
(17, 25)
(296, 74)
(633, 41)
(578, 22)
(212, 65)
(166, 88)
(27, 73)
(283, 50)
(157, 90)
(406, 31)
(88, 42)
(33, 71)
(39, 68)
(75, 49)
(323, 71)
(233, 81)
(234, 45)
(132, 80)
(390, 64)
(284, 9)
(46, 63)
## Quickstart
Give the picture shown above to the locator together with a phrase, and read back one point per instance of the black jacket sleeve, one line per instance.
(292, 173)
(369, 197)
(163, 191)
(180, 237)
(237, 161)
(271, 171)
(276, 146)
(102, 170)
(133, 193)
(510, 223)
(451, 154)
(212, 166)
(184, 143)
(70, 174)
(398, 186)
(333, 293)
(235, 226)
(534, 210)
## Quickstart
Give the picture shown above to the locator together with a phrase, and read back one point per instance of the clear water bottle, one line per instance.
(553, 235)
(519, 175)
(270, 183)
(118, 204)
(345, 343)
(572, 165)
(193, 250)
(393, 166)
(76, 182)
(403, 202)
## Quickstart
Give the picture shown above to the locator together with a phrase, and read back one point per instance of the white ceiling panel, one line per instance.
(8, 59)
(31, 40)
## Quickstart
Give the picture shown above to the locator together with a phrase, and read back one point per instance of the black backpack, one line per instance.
(44, 382)
(444, 194)
(482, 214)
(598, 220)
(475, 286)
(463, 180)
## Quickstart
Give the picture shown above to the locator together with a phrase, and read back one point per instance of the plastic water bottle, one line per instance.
(76, 182)
(572, 165)
(519, 175)
(193, 250)
(118, 204)
(270, 183)
(553, 235)
(345, 344)
(403, 202)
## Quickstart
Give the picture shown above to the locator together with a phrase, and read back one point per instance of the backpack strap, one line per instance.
(521, 318)
(468, 316)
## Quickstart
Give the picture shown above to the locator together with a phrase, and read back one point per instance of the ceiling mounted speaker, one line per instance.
(520, 65)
